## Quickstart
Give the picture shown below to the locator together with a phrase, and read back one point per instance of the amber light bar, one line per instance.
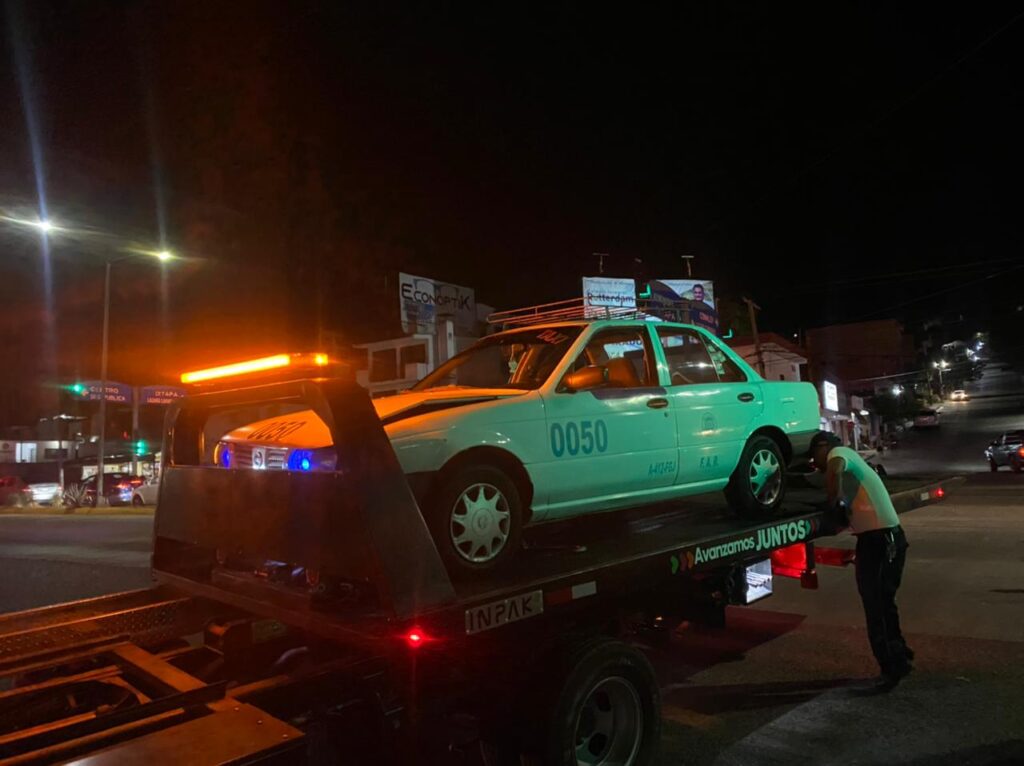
(255, 365)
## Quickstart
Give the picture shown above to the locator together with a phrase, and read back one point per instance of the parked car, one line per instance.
(145, 494)
(14, 491)
(566, 419)
(44, 493)
(117, 488)
(1008, 450)
(959, 395)
(926, 419)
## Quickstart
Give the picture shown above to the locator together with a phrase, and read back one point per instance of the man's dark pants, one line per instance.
(881, 555)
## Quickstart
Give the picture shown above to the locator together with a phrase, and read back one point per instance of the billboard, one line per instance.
(609, 292)
(424, 301)
(696, 290)
(700, 293)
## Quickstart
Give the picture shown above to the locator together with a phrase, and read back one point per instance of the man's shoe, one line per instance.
(898, 673)
(884, 683)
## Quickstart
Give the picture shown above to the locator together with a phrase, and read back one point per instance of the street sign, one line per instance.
(160, 394)
(120, 393)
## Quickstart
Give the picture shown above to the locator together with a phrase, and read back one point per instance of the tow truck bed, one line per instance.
(224, 662)
(620, 554)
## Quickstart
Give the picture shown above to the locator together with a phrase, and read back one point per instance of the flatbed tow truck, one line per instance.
(307, 618)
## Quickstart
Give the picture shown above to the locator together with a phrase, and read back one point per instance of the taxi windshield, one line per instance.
(521, 360)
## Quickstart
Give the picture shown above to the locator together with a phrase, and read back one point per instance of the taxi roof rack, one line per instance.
(576, 309)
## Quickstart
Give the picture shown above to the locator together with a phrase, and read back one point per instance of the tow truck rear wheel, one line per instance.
(592, 702)
(758, 484)
(476, 519)
(605, 709)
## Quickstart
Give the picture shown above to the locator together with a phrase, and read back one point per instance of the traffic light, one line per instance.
(140, 447)
(78, 389)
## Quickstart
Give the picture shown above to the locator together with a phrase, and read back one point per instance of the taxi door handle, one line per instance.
(657, 403)
(746, 396)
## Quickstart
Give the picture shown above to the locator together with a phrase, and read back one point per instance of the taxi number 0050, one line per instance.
(585, 437)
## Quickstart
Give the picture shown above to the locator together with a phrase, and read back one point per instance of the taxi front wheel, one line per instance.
(476, 519)
(758, 484)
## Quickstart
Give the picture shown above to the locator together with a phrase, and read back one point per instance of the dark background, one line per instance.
(831, 162)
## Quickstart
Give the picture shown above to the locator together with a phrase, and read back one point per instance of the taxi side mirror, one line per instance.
(593, 376)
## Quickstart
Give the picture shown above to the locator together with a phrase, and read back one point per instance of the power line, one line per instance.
(937, 293)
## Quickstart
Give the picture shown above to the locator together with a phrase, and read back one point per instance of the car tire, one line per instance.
(137, 501)
(489, 534)
(758, 485)
(1016, 466)
(993, 466)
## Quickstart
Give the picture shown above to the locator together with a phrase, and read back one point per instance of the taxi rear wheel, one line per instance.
(758, 485)
(476, 520)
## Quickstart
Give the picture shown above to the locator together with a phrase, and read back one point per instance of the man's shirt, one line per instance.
(849, 478)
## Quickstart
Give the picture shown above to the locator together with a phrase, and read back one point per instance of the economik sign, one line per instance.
(424, 301)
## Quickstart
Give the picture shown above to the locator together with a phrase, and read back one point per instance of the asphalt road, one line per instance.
(50, 559)
(775, 687)
(996, 405)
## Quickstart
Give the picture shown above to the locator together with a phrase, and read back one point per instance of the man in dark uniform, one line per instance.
(864, 505)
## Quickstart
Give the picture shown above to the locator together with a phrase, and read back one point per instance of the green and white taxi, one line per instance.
(566, 419)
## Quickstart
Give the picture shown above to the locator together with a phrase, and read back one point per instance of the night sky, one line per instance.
(833, 163)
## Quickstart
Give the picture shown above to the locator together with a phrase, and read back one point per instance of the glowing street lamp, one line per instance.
(941, 366)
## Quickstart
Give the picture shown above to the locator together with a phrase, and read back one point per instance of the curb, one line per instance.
(107, 511)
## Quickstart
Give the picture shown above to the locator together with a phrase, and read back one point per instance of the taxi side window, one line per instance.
(625, 353)
(691, 360)
(728, 371)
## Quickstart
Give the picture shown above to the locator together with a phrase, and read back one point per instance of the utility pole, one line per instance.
(600, 262)
(752, 308)
(101, 498)
(689, 260)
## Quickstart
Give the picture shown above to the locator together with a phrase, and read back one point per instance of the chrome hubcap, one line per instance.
(609, 726)
(480, 523)
(765, 477)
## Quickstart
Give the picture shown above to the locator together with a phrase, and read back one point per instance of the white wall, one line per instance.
(779, 364)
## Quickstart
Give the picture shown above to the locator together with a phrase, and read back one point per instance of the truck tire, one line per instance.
(758, 485)
(476, 519)
(605, 709)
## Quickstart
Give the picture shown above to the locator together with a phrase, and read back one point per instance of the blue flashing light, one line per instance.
(225, 457)
(300, 460)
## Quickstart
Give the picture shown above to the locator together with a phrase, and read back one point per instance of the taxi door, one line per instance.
(613, 443)
(713, 402)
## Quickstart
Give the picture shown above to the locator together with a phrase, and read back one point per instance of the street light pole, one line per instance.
(100, 496)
